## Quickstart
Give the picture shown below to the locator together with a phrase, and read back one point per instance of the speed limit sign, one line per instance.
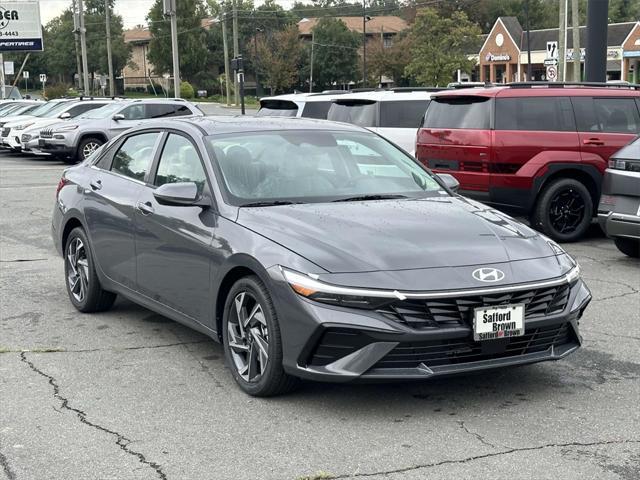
(552, 73)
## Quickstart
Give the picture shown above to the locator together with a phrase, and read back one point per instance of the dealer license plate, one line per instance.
(41, 142)
(491, 323)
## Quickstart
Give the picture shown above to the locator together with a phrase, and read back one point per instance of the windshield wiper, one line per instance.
(272, 203)
(369, 197)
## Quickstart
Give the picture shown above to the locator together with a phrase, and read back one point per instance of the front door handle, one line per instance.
(145, 208)
(593, 141)
(96, 184)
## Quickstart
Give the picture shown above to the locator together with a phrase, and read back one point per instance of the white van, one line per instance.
(308, 105)
(395, 114)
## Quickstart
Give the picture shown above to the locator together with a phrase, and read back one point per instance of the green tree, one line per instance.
(192, 39)
(280, 58)
(335, 56)
(440, 46)
(388, 61)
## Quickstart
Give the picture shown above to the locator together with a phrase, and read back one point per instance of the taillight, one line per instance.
(63, 181)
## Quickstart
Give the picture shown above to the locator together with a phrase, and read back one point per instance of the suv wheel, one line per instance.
(87, 147)
(83, 286)
(251, 339)
(564, 210)
(628, 246)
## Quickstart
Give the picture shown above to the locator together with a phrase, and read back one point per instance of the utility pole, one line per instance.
(169, 7)
(76, 41)
(83, 46)
(526, 14)
(364, 44)
(562, 37)
(227, 77)
(109, 59)
(236, 49)
(2, 79)
(575, 21)
(313, 37)
(595, 62)
(255, 62)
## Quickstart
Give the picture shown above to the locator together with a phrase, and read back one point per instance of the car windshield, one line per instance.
(316, 166)
(103, 112)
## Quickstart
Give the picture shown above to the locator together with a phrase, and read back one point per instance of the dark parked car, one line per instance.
(537, 149)
(311, 249)
(619, 208)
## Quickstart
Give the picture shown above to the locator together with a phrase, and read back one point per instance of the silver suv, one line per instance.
(75, 140)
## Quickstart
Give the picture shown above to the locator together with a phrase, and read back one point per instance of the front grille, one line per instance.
(46, 133)
(434, 353)
(454, 312)
(5, 132)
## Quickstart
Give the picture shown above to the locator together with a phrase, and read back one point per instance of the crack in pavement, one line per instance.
(475, 434)
(122, 441)
(480, 457)
(6, 468)
(90, 350)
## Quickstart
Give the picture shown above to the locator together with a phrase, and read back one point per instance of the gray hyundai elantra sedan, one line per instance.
(313, 250)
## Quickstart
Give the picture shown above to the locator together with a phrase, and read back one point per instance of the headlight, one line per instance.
(23, 126)
(574, 274)
(629, 165)
(66, 128)
(318, 291)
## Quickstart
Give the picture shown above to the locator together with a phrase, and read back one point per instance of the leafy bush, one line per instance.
(186, 90)
(57, 91)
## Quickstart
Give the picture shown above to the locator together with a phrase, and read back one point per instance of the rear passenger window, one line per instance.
(277, 108)
(160, 110)
(459, 112)
(356, 112)
(181, 110)
(402, 114)
(553, 114)
(608, 115)
(316, 110)
(135, 155)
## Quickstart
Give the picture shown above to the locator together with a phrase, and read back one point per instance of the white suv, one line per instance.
(308, 105)
(394, 114)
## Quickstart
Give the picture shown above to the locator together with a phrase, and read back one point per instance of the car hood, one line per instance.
(42, 123)
(16, 120)
(396, 234)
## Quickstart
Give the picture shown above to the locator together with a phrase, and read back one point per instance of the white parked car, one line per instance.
(308, 105)
(395, 114)
(46, 110)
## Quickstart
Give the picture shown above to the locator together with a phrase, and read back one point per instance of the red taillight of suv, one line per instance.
(63, 181)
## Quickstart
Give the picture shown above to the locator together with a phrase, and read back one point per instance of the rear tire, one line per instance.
(564, 210)
(245, 345)
(628, 246)
(83, 285)
(87, 146)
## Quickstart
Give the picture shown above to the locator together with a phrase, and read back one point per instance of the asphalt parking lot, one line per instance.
(128, 394)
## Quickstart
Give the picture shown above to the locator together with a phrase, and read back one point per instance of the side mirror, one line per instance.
(180, 194)
(450, 181)
(65, 115)
(117, 117)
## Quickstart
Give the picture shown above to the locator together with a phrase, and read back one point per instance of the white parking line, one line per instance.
(28, 186)
(2, 169)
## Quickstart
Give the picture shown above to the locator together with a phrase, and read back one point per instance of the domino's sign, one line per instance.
(20, 28)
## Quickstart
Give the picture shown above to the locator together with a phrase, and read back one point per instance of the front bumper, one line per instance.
(55, 146)
(336, 344)
(12, 140)
(619, 207)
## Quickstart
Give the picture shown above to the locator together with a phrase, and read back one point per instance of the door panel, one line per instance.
(173, 243)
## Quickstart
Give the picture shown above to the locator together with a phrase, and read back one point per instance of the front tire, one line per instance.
(83, 285)
(628, 246)
(252, 342)
(87, 146)
(564, 210)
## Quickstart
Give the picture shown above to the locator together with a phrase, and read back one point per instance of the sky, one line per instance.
(133, 12)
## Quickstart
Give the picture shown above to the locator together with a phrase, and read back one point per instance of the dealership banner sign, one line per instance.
(20, 27)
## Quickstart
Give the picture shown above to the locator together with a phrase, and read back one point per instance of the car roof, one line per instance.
(245, 123)
(326, 96)
(388, 95)
(544, 89)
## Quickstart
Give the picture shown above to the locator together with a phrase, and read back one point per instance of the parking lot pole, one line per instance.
(107, 8)
(83, 47)
(174, 49)
(595, 62)
(227, 68)
(2, 76)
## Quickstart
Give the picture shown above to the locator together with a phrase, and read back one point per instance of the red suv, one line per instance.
(536, 149)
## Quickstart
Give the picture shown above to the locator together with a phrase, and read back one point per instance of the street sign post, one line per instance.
(552, 49)
(25, 75)
(9, 68)
(43, 80)
(552, 73)
(20, 26)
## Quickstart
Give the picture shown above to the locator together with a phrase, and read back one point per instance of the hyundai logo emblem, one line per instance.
(488, 274)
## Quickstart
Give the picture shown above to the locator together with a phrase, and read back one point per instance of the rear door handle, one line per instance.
(145, 208)
(96, 184)
(593, 141)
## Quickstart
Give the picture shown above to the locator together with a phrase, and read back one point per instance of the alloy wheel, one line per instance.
(248, 337)
(78, 269)
(89, 148)
(566, 211)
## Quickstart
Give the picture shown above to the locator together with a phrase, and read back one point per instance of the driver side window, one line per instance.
(133, 112)
(180, 162)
